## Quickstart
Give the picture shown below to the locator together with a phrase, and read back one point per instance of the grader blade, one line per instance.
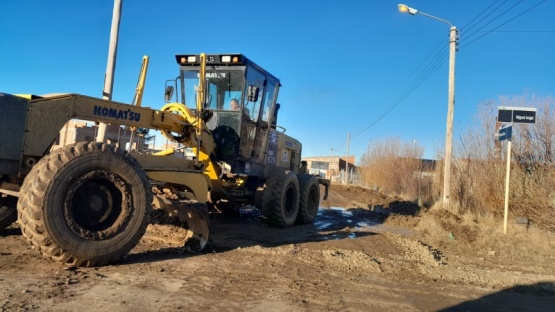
(192, 215)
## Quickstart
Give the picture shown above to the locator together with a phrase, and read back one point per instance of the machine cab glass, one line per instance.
(241, 96)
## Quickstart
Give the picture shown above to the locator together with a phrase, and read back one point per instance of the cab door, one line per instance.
(250, 125)
(269, 98)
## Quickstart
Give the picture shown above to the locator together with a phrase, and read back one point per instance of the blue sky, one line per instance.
(342, 64)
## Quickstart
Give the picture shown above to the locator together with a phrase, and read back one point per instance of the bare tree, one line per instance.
(394, 166)
(479, 164)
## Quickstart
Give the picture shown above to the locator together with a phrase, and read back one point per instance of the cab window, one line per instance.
(257, 79)
(221, 87)
(268, 101)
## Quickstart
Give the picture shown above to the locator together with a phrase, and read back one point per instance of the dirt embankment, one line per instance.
(366, 252)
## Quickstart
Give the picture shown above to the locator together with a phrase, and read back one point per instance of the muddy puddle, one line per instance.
(334, 222)
(358, 221)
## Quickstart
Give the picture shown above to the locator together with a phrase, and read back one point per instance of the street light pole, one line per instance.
(111, 66)
(450, 113)
(450, 102)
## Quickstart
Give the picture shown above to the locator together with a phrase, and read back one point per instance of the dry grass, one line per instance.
(468, 234)
(478, 167)
(395, 167)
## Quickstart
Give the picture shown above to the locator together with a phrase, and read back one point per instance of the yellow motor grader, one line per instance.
(89, 203)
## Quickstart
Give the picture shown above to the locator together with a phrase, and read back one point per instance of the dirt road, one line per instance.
(366, 252)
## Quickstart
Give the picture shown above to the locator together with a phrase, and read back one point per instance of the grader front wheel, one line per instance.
(87, 204)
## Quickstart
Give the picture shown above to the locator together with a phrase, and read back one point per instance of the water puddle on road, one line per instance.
(352, 223)
(334, 223)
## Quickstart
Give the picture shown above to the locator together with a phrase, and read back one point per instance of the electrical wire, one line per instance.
(484, 11)
(439, 45)
(521, 31)
(483, 18)
(424, 74)
(408, 91)
(491, 21)
(518, 15)
(434, 64)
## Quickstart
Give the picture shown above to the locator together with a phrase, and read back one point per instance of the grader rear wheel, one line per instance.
(86, 204)
(280, 198)
(309, 199)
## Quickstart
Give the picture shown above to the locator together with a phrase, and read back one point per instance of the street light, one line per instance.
(450, 101)
(405, 9)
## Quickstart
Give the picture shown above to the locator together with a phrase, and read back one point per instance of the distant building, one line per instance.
(332, 167)
(428, 167)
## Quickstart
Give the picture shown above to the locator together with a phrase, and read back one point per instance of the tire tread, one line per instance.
(31, 204)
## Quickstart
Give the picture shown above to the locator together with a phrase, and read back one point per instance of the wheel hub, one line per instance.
(95, 203)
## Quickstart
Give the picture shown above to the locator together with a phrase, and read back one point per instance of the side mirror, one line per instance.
(252, 96)
(274, 119)
(168, 94)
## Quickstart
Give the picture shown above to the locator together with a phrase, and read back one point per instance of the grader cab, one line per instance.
(89, 203)
(258, 164)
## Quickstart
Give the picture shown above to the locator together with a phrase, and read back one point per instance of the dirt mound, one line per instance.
(349, 196)
(358, 197)
(392, 210)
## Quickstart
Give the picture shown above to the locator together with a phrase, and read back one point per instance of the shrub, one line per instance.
(395, 167)
(479, 165)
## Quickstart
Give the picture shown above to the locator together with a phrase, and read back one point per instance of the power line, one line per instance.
(424, 74)
(498, 16)
(440, 44)
(522, 13)
(486, 15)
(435, 63)
(419, 77)
(519, 31)
(404, 95)
(433, 66)
(464, 27)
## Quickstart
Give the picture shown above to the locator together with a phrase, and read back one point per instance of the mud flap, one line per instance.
(192, 214)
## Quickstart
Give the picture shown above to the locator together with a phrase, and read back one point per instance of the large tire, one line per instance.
(309, 199)
(280, 198)
(87, 204)
(8, 211)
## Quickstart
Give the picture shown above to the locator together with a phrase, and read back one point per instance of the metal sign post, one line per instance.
(507, 179)
(505, 133)
(511, 115)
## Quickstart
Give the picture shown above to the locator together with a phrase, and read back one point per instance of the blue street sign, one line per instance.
(505, 133)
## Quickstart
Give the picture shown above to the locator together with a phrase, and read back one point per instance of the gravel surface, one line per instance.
(366, 252)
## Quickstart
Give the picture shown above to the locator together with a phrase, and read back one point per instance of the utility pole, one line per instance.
(450, 112)
(451, 100)
(347, 160)
(329, 165)
(111, 67)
